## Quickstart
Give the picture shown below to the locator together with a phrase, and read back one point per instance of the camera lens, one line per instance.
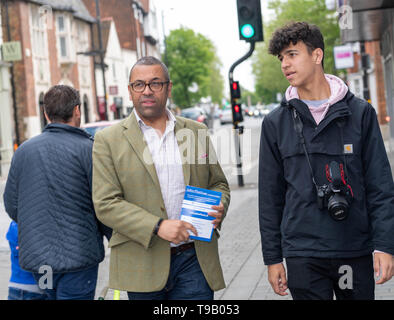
(338, 207)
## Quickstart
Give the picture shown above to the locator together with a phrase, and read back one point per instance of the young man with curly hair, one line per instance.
(326, 193)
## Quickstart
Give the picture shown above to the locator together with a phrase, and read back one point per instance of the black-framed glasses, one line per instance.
(155, 86)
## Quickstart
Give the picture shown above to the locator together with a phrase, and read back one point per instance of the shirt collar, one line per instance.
(171, 119)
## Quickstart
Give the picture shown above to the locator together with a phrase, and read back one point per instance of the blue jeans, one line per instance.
(80, 285)
(185, 282)
(19, 294)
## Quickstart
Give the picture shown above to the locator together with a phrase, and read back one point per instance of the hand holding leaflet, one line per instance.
(217, 213)
(196, 205)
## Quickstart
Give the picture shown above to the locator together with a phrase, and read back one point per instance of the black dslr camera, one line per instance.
(335, 196)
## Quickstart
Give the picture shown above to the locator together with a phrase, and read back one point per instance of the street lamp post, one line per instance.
(101, 54)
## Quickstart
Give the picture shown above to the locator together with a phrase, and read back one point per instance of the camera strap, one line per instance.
(298, 126)
(341, 124)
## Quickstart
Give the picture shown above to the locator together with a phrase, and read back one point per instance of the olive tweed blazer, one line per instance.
(128, 199)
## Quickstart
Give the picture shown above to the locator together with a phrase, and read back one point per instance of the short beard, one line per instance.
(152, 114)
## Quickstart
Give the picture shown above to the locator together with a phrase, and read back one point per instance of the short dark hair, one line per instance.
(292, 33)
(59, 103)
(151, 61)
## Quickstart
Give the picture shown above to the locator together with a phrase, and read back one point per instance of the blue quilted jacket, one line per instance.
(48, 193)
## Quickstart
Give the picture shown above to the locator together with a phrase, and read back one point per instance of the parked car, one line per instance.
(256, 113)
(250, 111)
(264, 111)
(271, 106)
(195, 113)
(226, 116)
(93, 127)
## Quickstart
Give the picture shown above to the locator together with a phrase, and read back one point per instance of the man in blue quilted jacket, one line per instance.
(48, 193)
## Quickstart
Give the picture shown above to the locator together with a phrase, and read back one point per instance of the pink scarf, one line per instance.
(338, 91)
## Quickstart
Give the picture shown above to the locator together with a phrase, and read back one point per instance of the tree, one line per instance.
(192, 60)
(266, 68)
(216, 82)
(249, 95)
(268, 76)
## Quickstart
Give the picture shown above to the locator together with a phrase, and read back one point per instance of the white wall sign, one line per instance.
(343, 57)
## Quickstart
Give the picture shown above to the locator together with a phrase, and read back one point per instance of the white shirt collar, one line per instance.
(171, 118)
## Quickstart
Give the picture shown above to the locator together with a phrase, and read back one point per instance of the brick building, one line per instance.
(6, 122)
(51, 33)
(135, 25)
(375, 78)
(135, 22)
(116, 73)
(372, 22)
(387, 51)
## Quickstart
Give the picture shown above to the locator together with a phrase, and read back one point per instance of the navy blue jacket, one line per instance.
(291, 224)
(48, 193)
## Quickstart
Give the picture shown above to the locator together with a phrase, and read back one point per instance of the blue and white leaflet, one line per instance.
(196, 205)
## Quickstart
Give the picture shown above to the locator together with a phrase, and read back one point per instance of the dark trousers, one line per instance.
(79, 285)
(185, 282)
(319, 279)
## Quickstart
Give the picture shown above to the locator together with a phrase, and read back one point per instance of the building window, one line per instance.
(63, 46)
(62, 34)
(60, 21)
(81, 39)
(38, 34)
(39, 44)
(114, 70)
(65, 37)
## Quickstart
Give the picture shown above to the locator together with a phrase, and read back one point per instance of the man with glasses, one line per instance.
(139, 181)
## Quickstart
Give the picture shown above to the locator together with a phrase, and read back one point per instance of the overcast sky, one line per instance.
(218, 21)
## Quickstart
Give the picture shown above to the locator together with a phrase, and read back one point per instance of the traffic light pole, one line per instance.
(238, 129)
(240, 60)
(102, 64)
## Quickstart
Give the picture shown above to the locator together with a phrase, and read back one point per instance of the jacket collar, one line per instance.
(62, 127)
(338, 110)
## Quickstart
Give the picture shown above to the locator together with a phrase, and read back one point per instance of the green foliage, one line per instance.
(268, 77)
(245, 94)
(191, 58)
(266, 68)
(216, 82)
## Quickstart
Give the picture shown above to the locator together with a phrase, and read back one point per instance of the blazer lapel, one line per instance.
(135, 137)
(180, 124)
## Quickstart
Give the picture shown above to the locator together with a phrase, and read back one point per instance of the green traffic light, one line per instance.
(247, 31)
